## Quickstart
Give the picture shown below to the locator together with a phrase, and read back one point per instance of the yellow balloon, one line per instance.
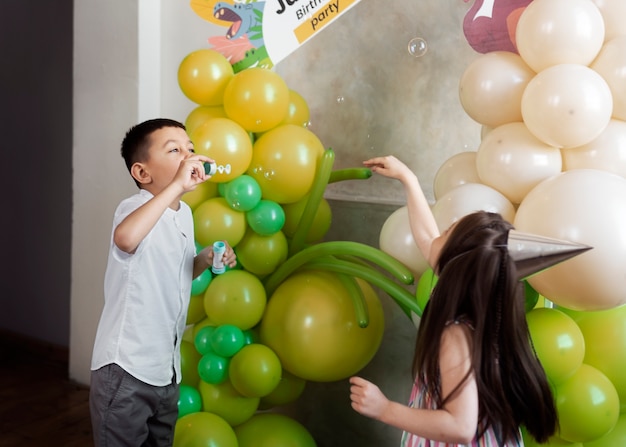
(262, 255)
(203, 76)
(491, 88)
(559, 32)
(236, 297)
(513, 161)
(567, 105)
(204, 191)
(284, 161)
(298, 110)
(321, 221)
(195, 312)
(225, 401)
(201, 114)
(455, 171)
(611, 65)
(257, 98)
(214, 221)
(227, 143)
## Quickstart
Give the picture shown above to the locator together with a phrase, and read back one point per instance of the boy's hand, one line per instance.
(191, 172)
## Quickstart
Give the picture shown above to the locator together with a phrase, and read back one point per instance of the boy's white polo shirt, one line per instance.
(146, 297)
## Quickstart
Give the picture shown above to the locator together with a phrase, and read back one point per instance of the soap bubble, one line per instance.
(417, 47)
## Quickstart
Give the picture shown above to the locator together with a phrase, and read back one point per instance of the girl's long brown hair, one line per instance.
(477, 282)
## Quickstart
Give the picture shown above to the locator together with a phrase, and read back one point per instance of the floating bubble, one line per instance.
(417, 47)
(340, 99)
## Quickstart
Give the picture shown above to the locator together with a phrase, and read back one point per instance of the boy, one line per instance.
(147, 286)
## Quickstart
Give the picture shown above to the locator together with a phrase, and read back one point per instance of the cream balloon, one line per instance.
(491, 88)
(611, 65)
(613, 12)
(468, 198)
(586, 206)
(397, 240)
(567, 105)
(556, 32)
(607, 152)
(513, 161)
(455, 171)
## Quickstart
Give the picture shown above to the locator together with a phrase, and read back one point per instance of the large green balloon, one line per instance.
(310, 323)
(587, 405)
(201, 282)
(605, 345)
(203, 429)
(558, 341)
(273, 430)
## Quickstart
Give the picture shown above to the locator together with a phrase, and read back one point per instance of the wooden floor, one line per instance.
(39, 406)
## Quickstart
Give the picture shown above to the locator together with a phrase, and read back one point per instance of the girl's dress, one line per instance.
(421, 399)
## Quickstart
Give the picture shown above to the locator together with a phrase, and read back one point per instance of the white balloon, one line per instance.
(567, 105)
(469, 198)
(586, 206)
(552, 32)
(614, 14)
(611, 65)
(607, 152)
(455, 171)
(397, 240)
(513, 161)
(491, 88)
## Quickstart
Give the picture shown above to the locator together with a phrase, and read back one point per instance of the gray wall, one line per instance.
(36, 150)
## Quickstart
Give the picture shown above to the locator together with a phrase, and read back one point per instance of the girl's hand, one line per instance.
(367, 398)
(388, 166)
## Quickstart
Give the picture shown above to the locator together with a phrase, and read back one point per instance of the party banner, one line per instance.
(265, 32)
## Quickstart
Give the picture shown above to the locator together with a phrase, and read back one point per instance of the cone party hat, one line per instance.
(533, 253)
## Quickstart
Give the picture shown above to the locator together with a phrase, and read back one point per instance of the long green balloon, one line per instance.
(298, 241)
(358, 299)
(338, 248)
(402, 297)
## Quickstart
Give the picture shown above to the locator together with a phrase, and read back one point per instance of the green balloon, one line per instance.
(202, 429)
(189, 400)
(227, 340)
(273, 430)
(425, 286)
(201, 282)
(267, 218)
(213, 368)
(242, 193)
(202, 340)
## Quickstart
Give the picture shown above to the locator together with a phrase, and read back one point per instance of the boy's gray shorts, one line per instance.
(128, 412)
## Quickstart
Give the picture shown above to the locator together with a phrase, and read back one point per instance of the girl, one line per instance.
(477, 378)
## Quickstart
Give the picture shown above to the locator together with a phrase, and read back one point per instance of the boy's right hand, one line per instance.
(191, 172)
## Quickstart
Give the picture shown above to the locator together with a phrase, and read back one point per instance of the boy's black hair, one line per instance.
(136, 142)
